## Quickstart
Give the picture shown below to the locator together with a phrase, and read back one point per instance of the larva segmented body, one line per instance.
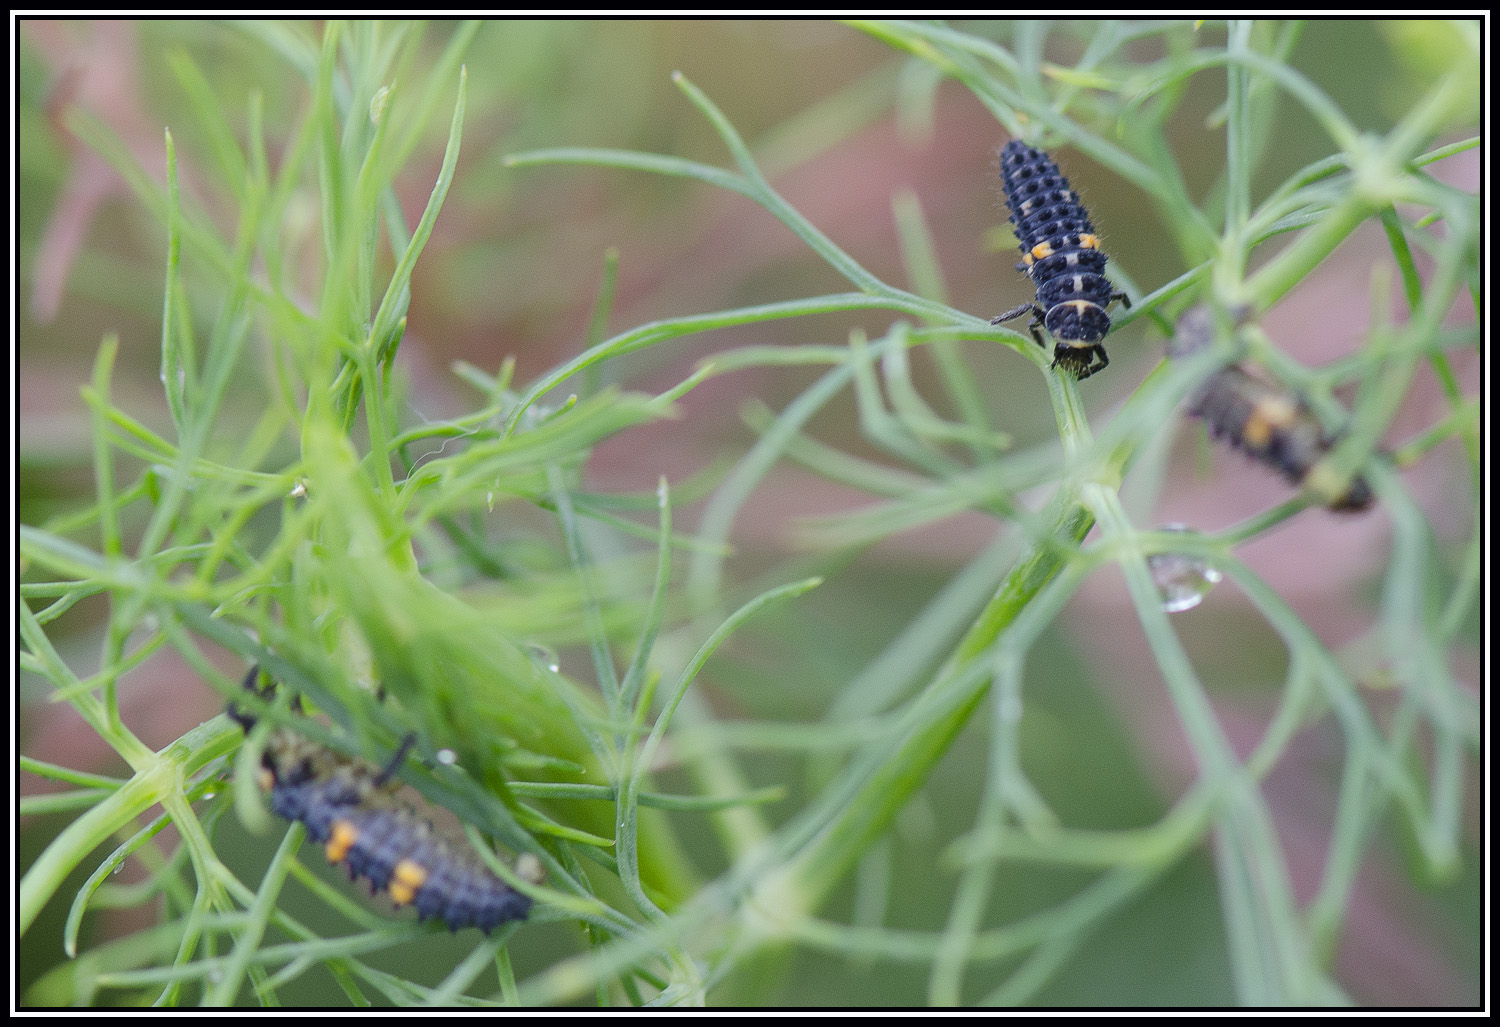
(1060, 251)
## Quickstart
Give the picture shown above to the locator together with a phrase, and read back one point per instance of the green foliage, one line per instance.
(347, 547)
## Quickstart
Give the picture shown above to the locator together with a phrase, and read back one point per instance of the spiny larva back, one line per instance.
(348, 807)
(1060, 251)
(1272, 424)
(1264, 419)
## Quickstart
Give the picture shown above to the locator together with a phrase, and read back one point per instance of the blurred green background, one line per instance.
(841, 124)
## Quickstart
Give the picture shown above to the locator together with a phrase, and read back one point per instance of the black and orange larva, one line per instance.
(348, 807)
(1265, 420)
(1060, 251)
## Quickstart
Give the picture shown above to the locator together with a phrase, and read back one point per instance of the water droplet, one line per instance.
(1183, 579)
(530, 869)
(447, 757)
(543, 655)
